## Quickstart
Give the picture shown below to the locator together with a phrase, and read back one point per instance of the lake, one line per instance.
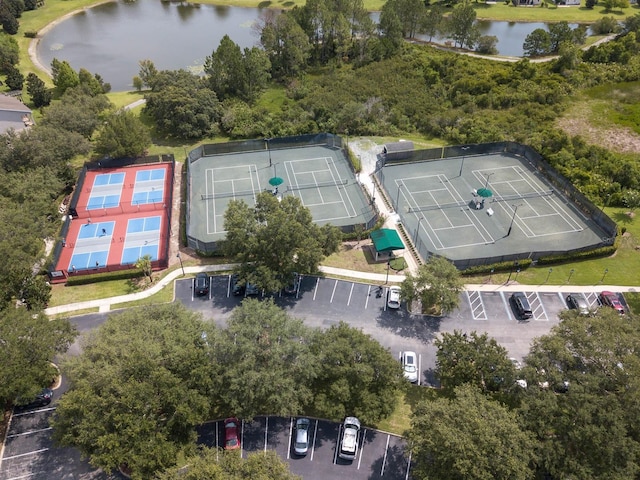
(111, 38)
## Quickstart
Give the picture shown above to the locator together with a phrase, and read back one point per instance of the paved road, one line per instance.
(321, 302)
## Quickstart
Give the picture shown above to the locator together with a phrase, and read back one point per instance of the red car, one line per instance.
(610, 299)
(231, 437)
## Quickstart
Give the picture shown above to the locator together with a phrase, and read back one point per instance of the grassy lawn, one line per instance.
(354, 256)
(399, 421)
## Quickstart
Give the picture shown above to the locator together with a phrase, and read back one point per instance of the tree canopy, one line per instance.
(28, 345)
(275, 239)
(123, 135)
(469, 437)
(139, 387)
(265, 362)
(437, 285)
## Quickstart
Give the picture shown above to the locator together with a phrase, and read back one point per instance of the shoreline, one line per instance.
(32, 51)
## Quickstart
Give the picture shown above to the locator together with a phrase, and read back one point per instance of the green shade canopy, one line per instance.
(275, 181)
(485, 192)
(386, 240)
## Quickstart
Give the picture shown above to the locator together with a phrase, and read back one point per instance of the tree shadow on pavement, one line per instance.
(406, 325)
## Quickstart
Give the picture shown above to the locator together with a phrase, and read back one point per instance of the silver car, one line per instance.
(394, 297)
(301, 444)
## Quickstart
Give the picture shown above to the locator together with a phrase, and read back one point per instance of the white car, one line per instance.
(410, 365)
(393, 300)
(301, 444)
(349, 443)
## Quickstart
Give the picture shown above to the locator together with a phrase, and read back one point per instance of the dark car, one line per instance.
(201, 284)
(577, 302)
(231, 437)
(521, 305)
(41, 400)
(610, 299)
(293, 285)
(237, 287)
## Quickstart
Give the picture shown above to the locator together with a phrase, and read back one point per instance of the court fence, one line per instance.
(560, 184)
(60, 275)
(266, 144)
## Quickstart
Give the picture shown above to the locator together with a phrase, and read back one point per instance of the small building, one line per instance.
(14, 114)
(386, 240)
(397, 150)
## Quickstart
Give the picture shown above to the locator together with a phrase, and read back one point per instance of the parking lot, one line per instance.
(380, 455)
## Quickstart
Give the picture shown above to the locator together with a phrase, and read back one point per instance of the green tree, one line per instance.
(123, 135)
(9, 53)
(37, 90)
(15, 79)
(138, 389)
(487, 44)
(36, 292)
(210, 464)
(77, 111)
(537, 43)
(257, 67)
(182, 105)
(286, 45)
(610, 5)
(144, 264)
(93, 83)
(409, 12)
(469, 437)
(631, 199)
(28, 345)
(591, 431)
(431, 22)
(461, 25)
(8, 20)
(267, 362)
(357, 376)
(437, 284)
(147, 72)
(558, 33)
(473, 359)
(224, 68)
(275, 239)
(390, 27)
(63, 75)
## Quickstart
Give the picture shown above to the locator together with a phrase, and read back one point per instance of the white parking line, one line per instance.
(544, 311)
(313, 447)
(193, 284)
(335, 455)
(419, 368)
(315, 291)
(350, 293)
(406, 477)
(27, 475)
(229, 286)
(31, 412)
(241, 437)
(217, 445)
(364, 434)
(335, 285)
(26, 454)
(210, 284)
(290, 438)
(507, 304)
(384, 458)
(29, 432)
(366, 303)
(266, 429)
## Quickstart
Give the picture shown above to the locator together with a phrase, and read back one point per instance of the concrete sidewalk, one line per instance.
(104, 304)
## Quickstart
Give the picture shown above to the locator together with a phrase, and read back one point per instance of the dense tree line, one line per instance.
(569, 412)
(147, 377)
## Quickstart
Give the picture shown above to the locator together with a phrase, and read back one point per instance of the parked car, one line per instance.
(577, 302)
(301, 444)
(237, 287)
(393, 300)
(521, 305)
(610, 299)
(231, 436)
(410, 365)
(42, 399)
(349, 442)
(201, 284)
(251, 289)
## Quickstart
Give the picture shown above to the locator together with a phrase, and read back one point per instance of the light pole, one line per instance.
(486, 184)
(268, 149)
(398, 197)
(388, 267)
(515, 209)
(606, 270)
(464, 150)
(415, 236)
(570, 273)
(515, 264)
(548, 275)
(181, 265)
(515, 279)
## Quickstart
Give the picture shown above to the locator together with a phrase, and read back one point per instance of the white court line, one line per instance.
(340, 192)
(313, 174)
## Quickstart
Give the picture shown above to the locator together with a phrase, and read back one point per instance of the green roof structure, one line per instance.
(386, 240)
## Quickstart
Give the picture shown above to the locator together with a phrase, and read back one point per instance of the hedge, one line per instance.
(104, 277)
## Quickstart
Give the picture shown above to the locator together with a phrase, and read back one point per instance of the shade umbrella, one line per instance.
(275, 181)
(485, 192)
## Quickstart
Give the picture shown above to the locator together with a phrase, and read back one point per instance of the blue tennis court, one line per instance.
(108, 179)
(83, 261)
(148, 224)
(146, 175)
(93, 230)
(153, 196)
(130, 255)
(103, 201)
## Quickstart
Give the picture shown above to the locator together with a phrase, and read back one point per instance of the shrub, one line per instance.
(104, 277)
(31, 34)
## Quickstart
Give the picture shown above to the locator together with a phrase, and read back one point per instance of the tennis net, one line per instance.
(440, 206)
(333, 183)
(519, 196)
(497, 198)
(240, 193)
